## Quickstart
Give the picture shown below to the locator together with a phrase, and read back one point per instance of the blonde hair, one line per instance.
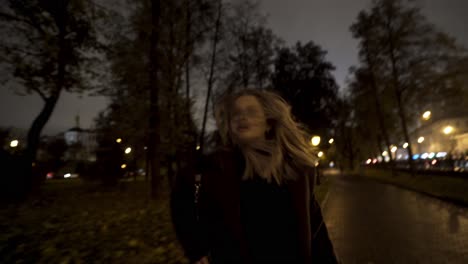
(284, 154)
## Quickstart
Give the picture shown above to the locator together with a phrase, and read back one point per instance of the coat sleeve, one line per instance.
(190, 231)
(322, 247)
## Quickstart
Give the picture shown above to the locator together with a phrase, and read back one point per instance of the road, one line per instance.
(370, 222)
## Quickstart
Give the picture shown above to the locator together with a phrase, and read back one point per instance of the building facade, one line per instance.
(449, 135)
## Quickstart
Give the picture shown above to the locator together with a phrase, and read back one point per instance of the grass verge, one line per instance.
(75, 222)
(443, 187)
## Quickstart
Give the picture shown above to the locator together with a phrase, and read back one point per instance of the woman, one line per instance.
(255, 203)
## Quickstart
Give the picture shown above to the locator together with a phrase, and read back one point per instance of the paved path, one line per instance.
(376, 223)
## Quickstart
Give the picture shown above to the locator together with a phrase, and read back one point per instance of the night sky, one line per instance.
(326, 22)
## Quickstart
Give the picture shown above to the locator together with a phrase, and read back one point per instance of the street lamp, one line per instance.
(420, 140)
(315, 141)
(14, 143)
(128, 150)
(119, 140)
(393, 149)
(385, 153)
(320, 154)
(331, 141)
(448, 130)
(405, 145)
(427, 115)
(123, 166)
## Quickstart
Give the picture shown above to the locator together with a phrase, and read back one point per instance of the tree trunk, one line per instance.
(378, 107)
(187, 60)
(34, 135)
(379, 143)
(398, 96)
(210, 78)
(350, 148)
(154, 146)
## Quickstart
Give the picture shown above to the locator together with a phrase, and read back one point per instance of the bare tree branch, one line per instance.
(41, 94)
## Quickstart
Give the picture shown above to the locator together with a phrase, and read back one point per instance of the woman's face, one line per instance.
(248, 121)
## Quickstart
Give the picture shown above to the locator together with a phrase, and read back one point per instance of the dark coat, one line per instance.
(219, 213)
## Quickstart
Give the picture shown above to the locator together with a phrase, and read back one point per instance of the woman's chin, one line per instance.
(245, 138)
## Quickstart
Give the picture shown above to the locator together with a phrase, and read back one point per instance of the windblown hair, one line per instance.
(284, 154)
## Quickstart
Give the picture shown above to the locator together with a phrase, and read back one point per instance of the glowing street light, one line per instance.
(331, 141)
(369, 161)
(385, 153)
(198, 147)
(393, 149)
(405, 145)
(427, 115)
(420, 140)
(119, 140)
(315, 141)
(448, 130)
(128, 150)
(14, 143)
(123, 166)
(320, 154)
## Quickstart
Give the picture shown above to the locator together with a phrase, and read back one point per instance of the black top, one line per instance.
(269, 222)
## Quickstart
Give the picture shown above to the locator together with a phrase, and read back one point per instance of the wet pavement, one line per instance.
(370, 222)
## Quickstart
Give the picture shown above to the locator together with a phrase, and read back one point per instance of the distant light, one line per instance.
(50, 175)
(431, 155)
(427, 115)
(198, 147)
(387, 158)
(320, 154)
(331, 141)
(385, 153)
(145, 148)
(128, 150)
(405, 145)
(434, 162)
(331, 164)
(68, 175)
(119, 140)
(374, 161)
(424, 156)
(14, 143)
(315, 141)
(379, 159)
(420, 140)
(123, 166)
(399, 156)
(394, 149)
(448, 130)
(316, 164)
(416, 156)
(441, 155)
(369, 161)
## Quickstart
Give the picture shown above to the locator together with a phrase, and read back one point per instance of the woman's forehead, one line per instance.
(245, 101)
